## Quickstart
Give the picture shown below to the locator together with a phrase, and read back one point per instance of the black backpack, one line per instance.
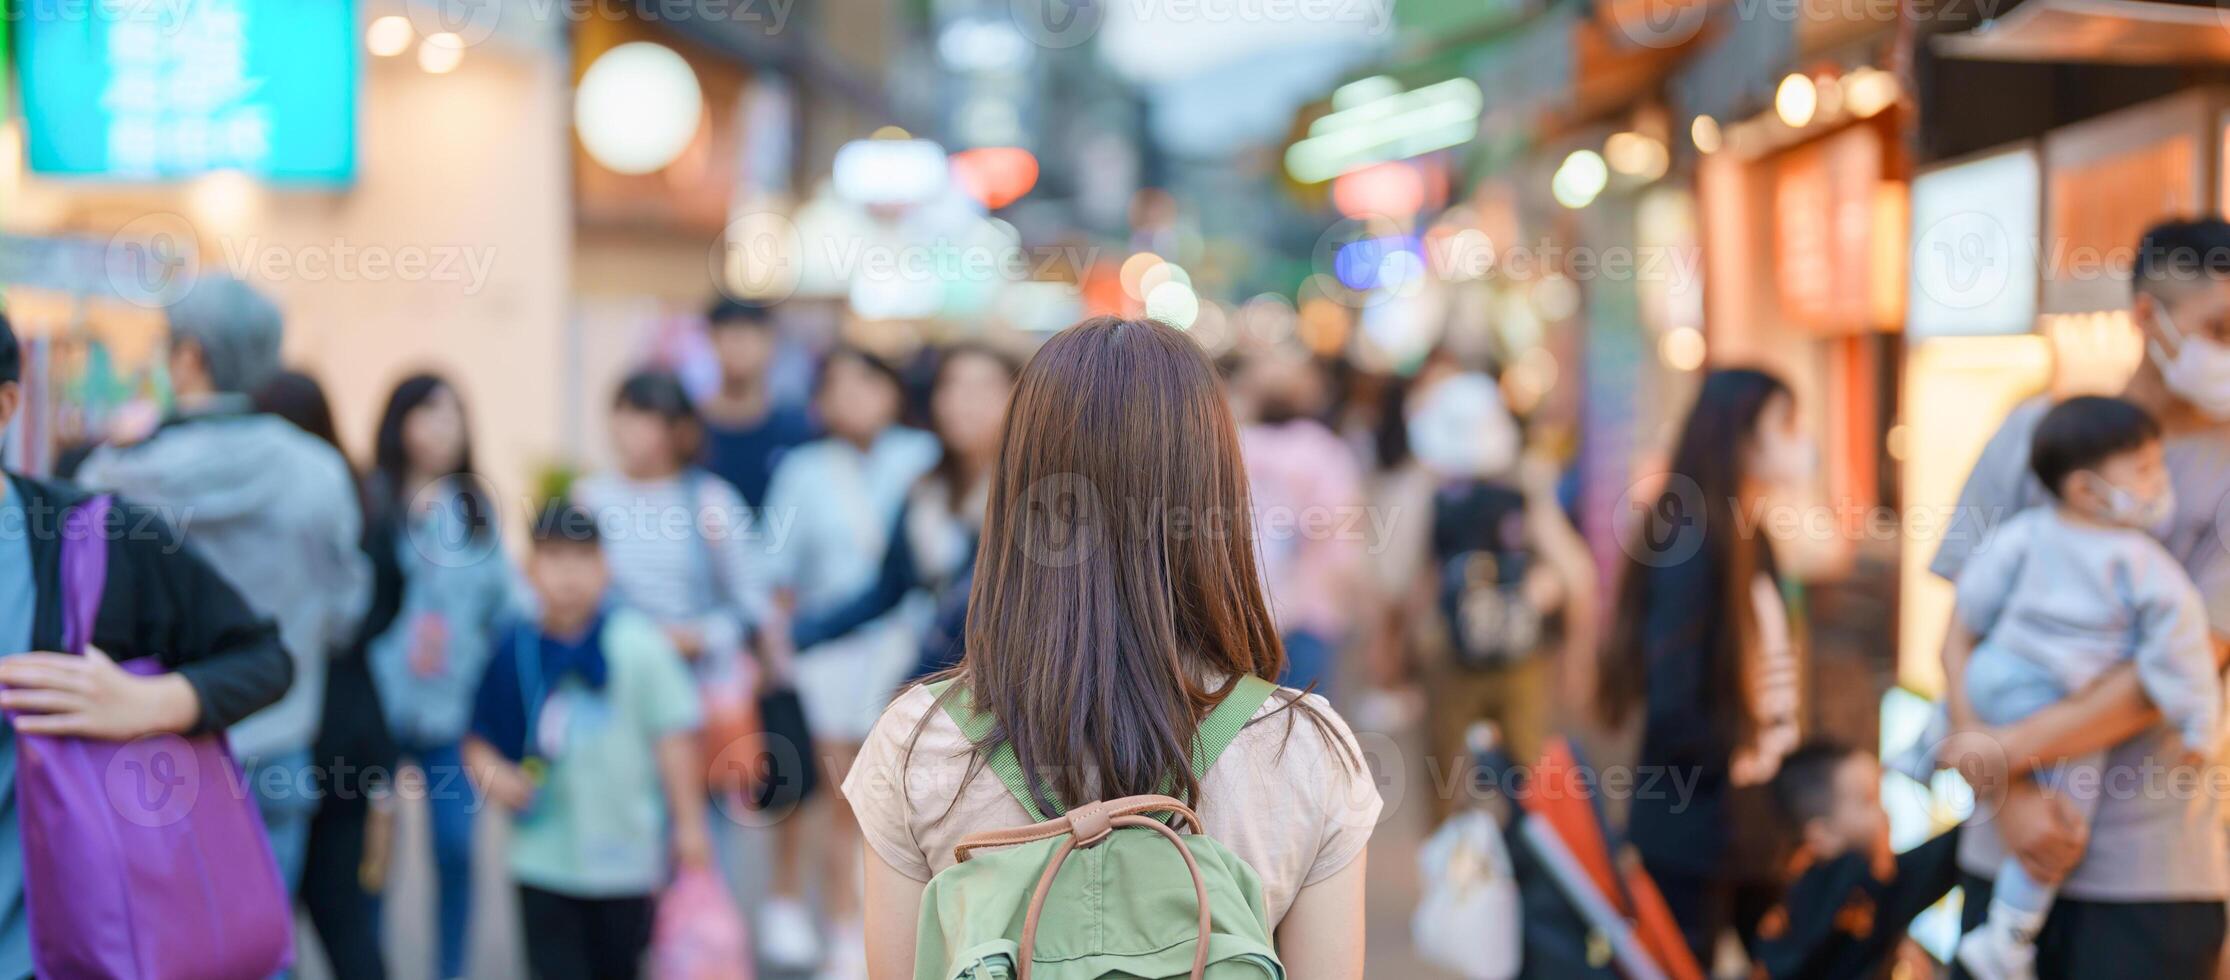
(1479, 552)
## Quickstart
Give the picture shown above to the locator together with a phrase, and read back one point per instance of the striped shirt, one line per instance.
(684, 551)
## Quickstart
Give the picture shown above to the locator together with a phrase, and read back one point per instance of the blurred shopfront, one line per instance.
(1661, 205)
(404, 206)
(417, 185)
(2025, 215)
(1849, 194)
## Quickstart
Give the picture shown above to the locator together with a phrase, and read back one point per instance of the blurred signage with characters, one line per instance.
(1824, 212)
(161, 91)
(1974, 252)
(2109, 176)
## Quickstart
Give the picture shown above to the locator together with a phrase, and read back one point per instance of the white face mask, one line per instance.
(2126, 508)
(2199, 372)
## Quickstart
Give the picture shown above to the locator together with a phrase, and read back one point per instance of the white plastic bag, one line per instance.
(1469, 920)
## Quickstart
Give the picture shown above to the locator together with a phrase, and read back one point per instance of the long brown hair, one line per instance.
(1694, 519)
(1116, 578)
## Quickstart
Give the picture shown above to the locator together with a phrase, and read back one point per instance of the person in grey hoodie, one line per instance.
(273, 508)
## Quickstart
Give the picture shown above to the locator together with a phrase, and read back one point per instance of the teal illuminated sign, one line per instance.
(156, 91)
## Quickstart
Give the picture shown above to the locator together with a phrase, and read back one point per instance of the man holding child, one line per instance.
(2141, 886)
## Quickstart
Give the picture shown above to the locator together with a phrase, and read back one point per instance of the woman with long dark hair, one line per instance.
(436, 553)
(352, 739)
(1116, 603)
(1700, 646)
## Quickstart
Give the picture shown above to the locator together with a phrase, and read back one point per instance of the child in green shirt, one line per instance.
(585, 727)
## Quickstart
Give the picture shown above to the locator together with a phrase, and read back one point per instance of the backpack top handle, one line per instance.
(1089, 825)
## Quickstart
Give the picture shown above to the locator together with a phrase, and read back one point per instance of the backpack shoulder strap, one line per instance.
(977, 726)
(1222, 726)
(1216, 733)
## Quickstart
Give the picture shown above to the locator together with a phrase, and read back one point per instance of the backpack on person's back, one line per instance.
(1104, 890)
(1480, 556)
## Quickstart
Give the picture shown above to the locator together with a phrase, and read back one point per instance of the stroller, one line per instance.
(1581, 911)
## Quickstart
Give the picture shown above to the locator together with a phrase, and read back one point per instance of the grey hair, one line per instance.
(237, 329)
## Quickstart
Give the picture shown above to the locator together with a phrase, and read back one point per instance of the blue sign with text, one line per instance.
(163, 90)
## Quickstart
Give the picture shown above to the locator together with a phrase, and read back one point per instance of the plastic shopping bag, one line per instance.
(699, 934)
(1469, 920)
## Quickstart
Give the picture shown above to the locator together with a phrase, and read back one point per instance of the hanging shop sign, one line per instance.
(1825, 196)
(167, 91)
(2107, 180)
(1974, 246)
(1375, 120)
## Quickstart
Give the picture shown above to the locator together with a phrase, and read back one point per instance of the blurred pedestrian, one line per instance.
(298, 397)
(2063, 594)
(275, 511)
(1850, 897)
(933, 546)
(840, 497)
(747, 430)
(680, 545)
(1505, 575)
(432, 533)
(1701, 647)
(1397, 636)
(354, 753)
(679, 542)
(161, 600)
(1308, 513)
(1100, 652)
(2144, 895)
(585, 730)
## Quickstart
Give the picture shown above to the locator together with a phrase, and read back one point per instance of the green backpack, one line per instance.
(1104, 890)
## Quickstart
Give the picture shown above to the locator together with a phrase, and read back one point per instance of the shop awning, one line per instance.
(2098, 31)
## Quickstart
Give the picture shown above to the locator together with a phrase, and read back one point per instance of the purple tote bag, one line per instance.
(141, 859)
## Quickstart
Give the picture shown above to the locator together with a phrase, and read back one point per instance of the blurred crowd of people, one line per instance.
(824, 547)
(1420, 553)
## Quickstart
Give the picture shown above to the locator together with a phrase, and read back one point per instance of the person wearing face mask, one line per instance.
(2065, 593)
(2141, 892)
(1701, 648)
